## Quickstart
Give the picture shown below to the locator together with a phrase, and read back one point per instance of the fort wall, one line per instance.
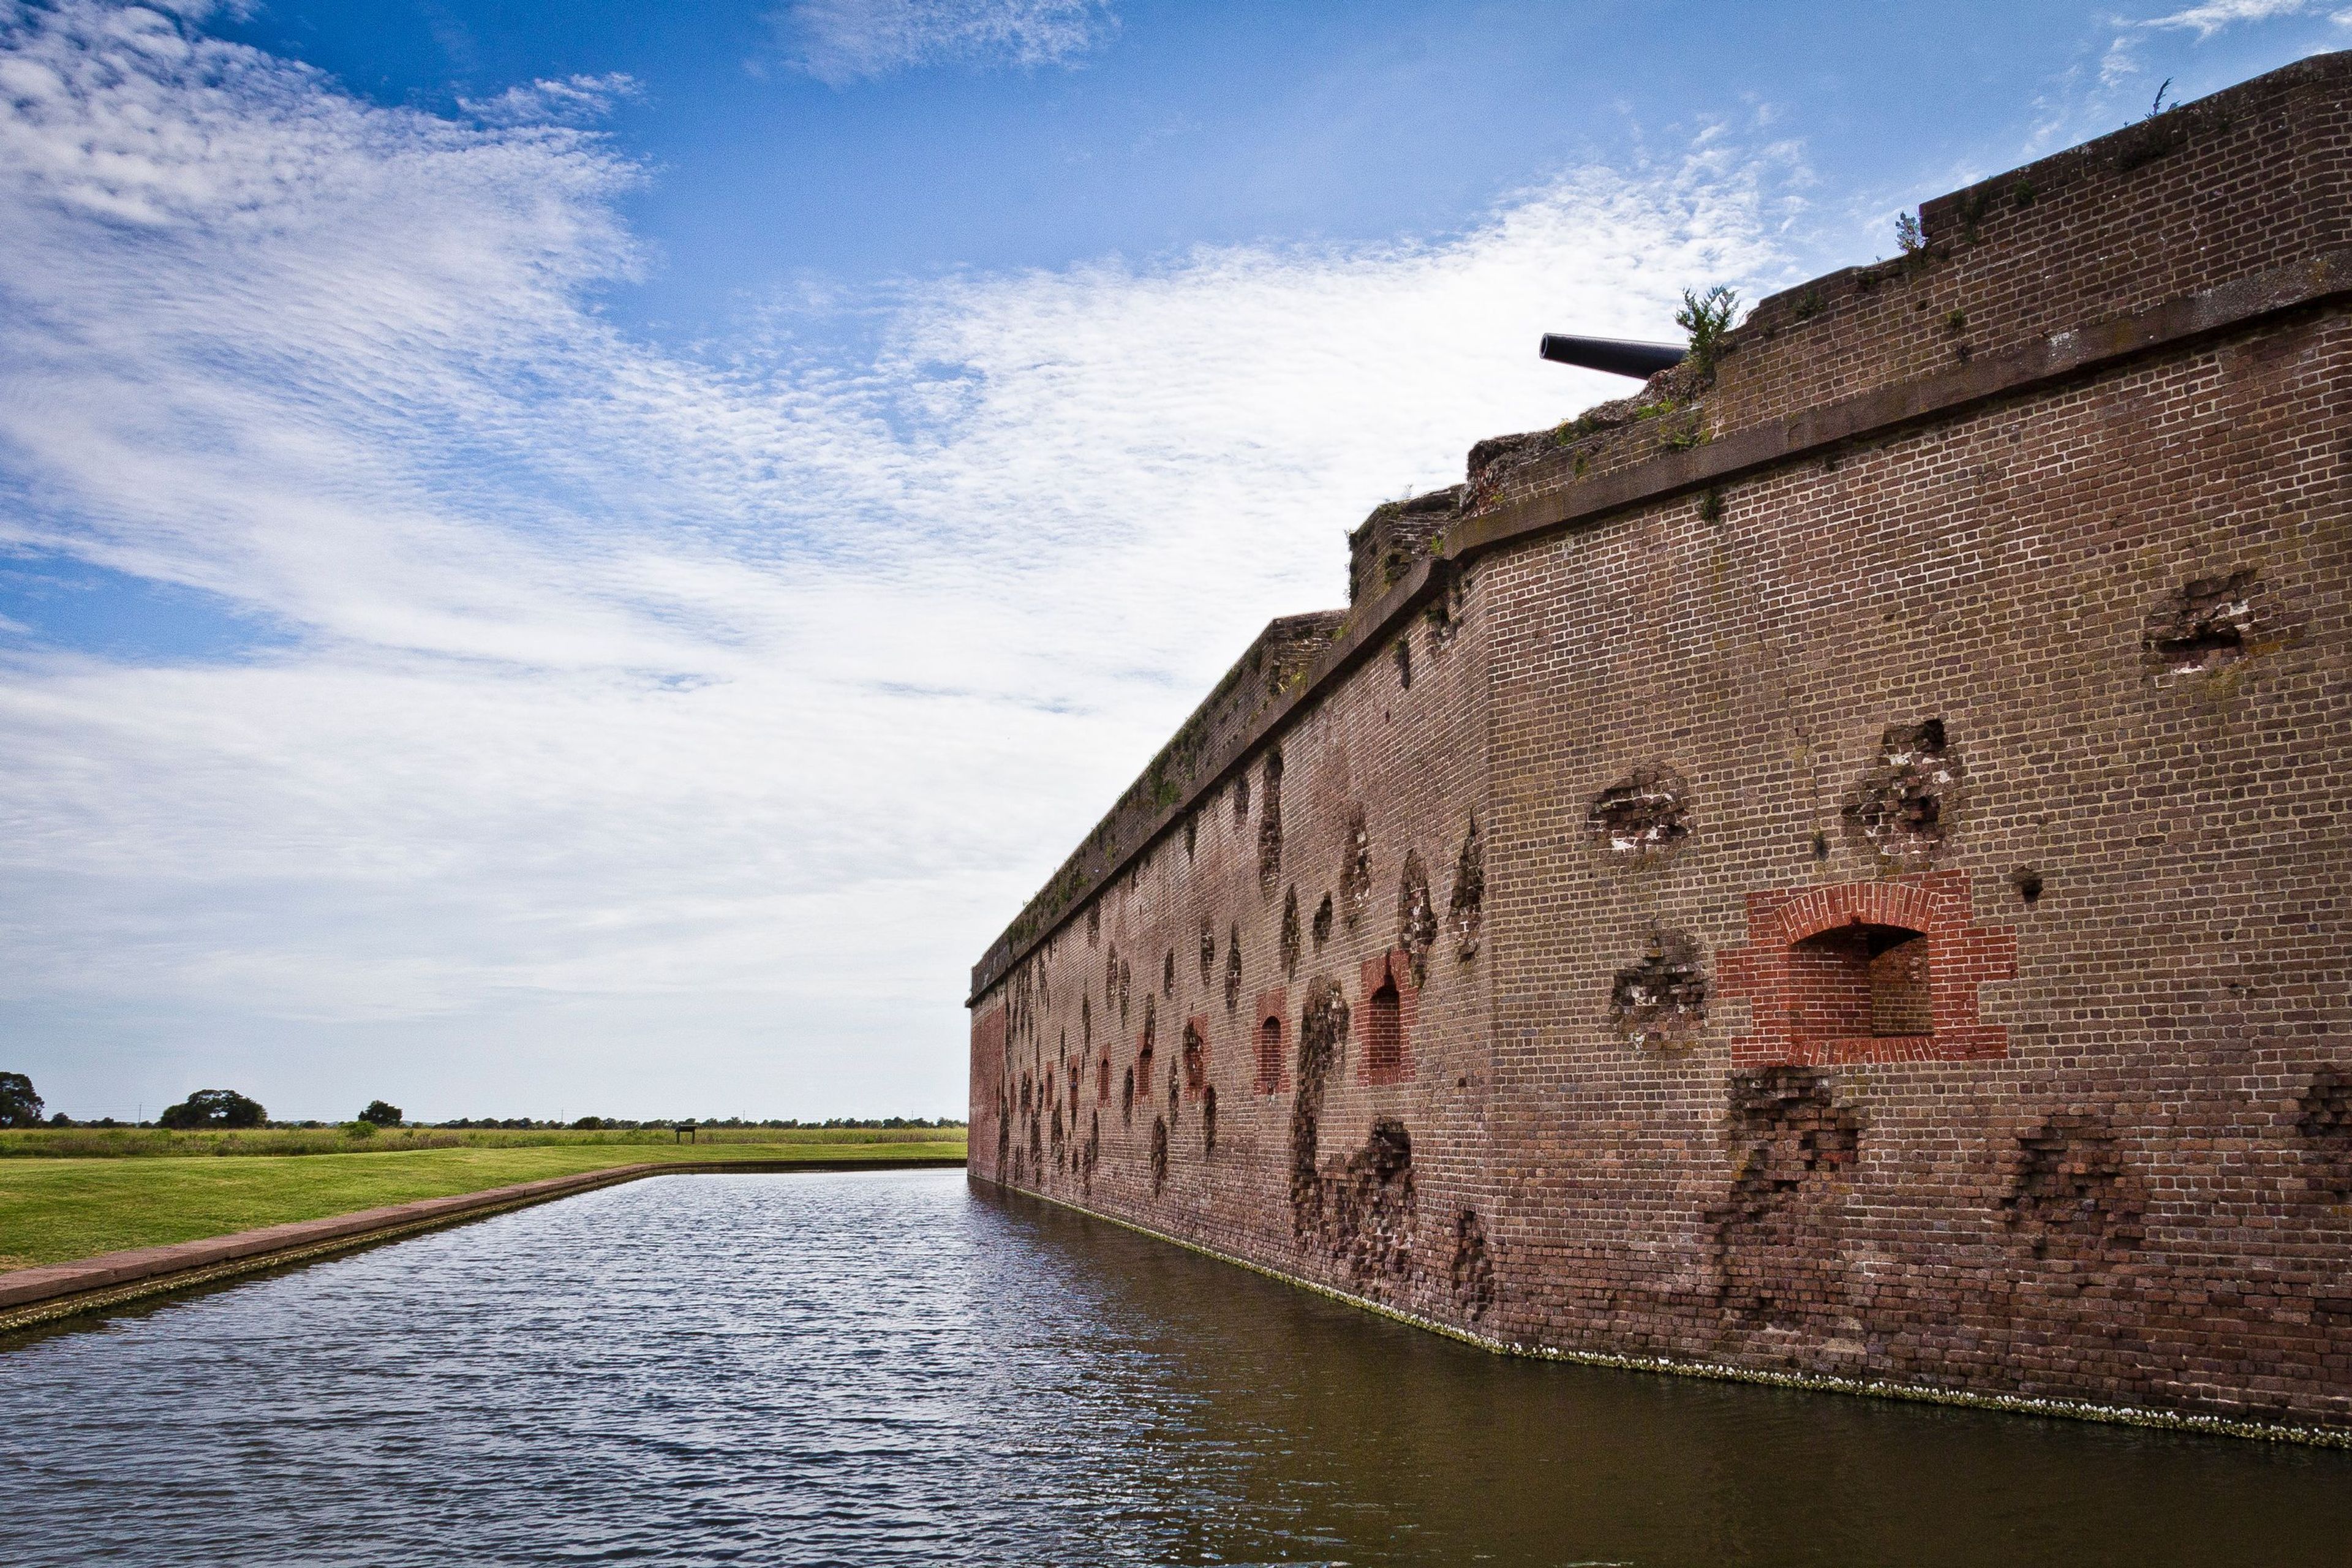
(1835, 868)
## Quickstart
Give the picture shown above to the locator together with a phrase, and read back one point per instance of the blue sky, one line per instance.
(588, 558)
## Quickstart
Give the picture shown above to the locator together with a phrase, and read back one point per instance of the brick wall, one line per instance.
(1274, 903)
(1878, 916)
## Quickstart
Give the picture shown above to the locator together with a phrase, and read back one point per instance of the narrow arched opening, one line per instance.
(1269, 1054)
(1384, 1033)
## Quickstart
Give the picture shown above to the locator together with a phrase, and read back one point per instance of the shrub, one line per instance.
(381, 1113)
(1708, 319)
(213, 1107)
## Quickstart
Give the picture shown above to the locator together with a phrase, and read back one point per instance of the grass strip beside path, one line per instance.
(54, 1210)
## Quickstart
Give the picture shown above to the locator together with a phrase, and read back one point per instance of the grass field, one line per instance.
(56, 1209)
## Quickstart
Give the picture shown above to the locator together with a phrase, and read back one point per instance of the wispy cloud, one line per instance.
(679, 727)
(2214, 15)
(573, 101)
(842, 41)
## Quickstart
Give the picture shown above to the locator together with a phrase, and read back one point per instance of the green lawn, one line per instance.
(56, 1209)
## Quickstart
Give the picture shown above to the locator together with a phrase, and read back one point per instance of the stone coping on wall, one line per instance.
(2321, 280)
(59, 1289)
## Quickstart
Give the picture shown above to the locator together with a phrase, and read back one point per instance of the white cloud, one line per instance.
(842, 41)
(2214, 15)
(657, 732)
(573, 100)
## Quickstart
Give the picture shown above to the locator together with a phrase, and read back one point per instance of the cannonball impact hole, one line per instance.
(2206, 625)
(2027, 881)
(1233, 967)
(1646, 813)
(1661, 1001)
(1905, 805)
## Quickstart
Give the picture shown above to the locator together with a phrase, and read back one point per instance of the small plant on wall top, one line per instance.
(1708, 319)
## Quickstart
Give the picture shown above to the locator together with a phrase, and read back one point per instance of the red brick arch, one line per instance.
(1379, 1061)
(1272, 1073)
(1962, 956)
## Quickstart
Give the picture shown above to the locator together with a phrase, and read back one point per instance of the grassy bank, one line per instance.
(56, 1210)
(134, 1143)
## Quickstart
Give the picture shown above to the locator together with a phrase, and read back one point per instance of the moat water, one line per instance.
(885, 1368)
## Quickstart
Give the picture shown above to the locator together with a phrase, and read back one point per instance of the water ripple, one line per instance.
(885, 1368)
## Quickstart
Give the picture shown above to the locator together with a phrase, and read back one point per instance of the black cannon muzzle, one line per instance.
(1618, 356)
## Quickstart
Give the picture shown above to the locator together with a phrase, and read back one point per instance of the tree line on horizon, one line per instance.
(226, 1109)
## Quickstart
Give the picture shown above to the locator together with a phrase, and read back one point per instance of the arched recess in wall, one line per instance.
(1863, 980)
(1384, 1024)
(1384, 1032)
(1270, 1044)
(1880, 971)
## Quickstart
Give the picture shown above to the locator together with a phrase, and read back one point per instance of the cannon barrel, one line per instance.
(1618, 356)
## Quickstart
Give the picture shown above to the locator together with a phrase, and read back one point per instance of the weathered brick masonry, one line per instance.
(1832, 864)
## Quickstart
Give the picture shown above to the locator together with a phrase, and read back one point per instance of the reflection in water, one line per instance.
(889, 1368)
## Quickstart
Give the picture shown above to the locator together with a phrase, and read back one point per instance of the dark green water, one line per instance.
(889, 1368)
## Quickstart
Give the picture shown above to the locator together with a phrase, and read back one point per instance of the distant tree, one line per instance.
(381, 1113)
(60, 1119)
(19, 1106)
(590, 1124)
(213, 1107)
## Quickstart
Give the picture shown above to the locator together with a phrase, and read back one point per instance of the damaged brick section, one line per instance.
(1269, 826)
(1466, 910)
(1356, 870)
(2209, 624)
(1158, 1155)
(1292, 940)
(2071, 1196)
(1471, 1271)
(2324, 1123)
(1367, 1210)
(1661, 1002)
(1793, 1150)
(1234, 968)
(1357, 1212)
(1643, 815)
(1905, 807)
(1322, 1028)
(1416, 916)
